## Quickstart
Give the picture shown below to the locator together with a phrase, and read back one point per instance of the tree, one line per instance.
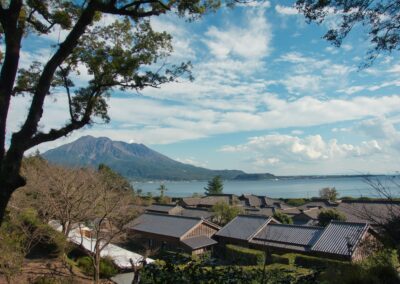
(224, 213)
(214, 186)
(111, 212)
(380, 18)
(282, 217)
(162, 198)
(327, 215)
(120, 55)
(63, 194)
(114, 179)
(329, 193)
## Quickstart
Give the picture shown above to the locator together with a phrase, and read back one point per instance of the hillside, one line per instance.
(134, 161)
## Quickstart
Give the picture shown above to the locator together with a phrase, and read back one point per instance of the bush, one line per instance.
(295, 202)
(283, 218)
(317, 262)
(244, 256)
(107, 268)
(376, 269)
(279, 259)
(287, 258)
(327, 215)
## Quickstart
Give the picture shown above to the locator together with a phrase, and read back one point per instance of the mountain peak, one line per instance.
(135, 161)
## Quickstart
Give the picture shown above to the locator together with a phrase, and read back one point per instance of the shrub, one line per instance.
(280, 259)
(107, 268)
(317, 262)
(295, 202)
(327, 215)
(283, 218)
(244, 256)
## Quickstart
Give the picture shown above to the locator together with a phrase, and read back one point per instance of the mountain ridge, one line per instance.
(132, 160)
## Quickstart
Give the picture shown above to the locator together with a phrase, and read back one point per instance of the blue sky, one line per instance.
(270, 95)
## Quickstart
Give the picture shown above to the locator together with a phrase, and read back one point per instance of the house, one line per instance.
(209, 200)
(375, 212)
(254, 201)
(242, 228)
(197, 212)
(164, 209)
(338, 240)
(319, 203)
(307, 217)
(161, 231)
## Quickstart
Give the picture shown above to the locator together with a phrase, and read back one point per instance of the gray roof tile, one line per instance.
(337, 235)
(289, 234)
(199, 242)
(243, 227)
(167, 225)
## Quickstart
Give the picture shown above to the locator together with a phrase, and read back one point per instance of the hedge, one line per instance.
(107, 268)
(283, 259)
(317, 262)
(244, 256)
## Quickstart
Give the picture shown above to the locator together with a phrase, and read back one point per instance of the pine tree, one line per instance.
(214, 186)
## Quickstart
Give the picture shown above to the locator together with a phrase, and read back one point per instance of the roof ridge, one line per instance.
(171, 216)
(299, 226)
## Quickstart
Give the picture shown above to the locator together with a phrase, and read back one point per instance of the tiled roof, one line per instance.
(318, 203)
(200, 213)
(338, 235)
(207, 200)
(312, 213)
(162, 224)
(289, 234)
(368, 211)
(243, 227)
(164, 208)
(199, 242)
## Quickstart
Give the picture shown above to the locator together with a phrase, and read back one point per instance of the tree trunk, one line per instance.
(96, 265)
(4, 198)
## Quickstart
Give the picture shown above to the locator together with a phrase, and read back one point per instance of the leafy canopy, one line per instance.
(380, 19)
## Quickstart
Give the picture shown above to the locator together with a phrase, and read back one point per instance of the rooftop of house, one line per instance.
(338, 238)
(321, 203)
(299, 237)
(166, 225)
(196, 212)
(243, 227)
(163, 208)
(376, 212)
(162, 224)
(199, 242)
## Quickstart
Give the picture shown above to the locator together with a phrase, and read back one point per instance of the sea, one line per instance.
(293, 187)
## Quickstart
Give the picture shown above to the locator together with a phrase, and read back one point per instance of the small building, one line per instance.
(376, 212)
(161, 231)
(307, 217)
(318, 203)
(241, 229)
(338, 240)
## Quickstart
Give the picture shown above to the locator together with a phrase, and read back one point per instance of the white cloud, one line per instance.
(250, 41)
(286, 10)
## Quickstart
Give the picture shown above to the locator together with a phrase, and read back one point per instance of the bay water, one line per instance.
(277, 188)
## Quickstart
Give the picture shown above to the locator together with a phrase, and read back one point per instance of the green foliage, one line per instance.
(214, 186)
(282, 217)
(329, 193)
(317, 262)
(107, 267)
(112, 179)
(327, 215)
(376, 269)
(223, 212)
(198, 272)
(244, 256)
(295, 202)
(288, 258)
